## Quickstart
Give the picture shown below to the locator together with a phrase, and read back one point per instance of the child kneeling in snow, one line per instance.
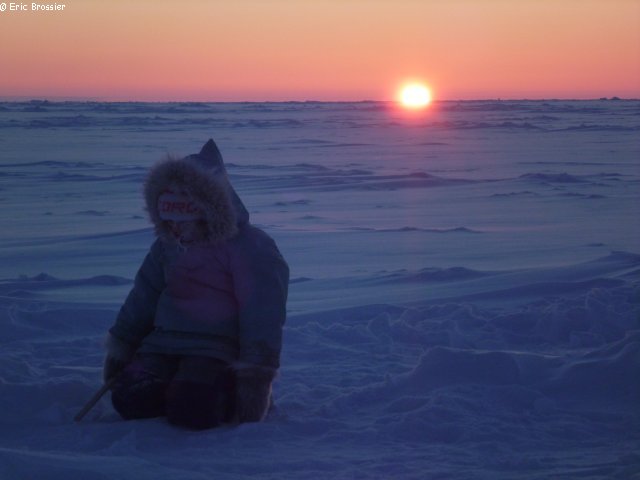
(198, 338)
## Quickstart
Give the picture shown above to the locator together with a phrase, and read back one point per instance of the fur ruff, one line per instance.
(208, 190)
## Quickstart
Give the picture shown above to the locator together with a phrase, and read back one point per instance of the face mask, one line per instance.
(186, 233)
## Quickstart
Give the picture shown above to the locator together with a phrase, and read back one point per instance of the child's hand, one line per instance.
(112, 367)
(119, 355)
(253, 393)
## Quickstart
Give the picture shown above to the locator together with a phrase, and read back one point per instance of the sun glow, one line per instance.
(415, 95)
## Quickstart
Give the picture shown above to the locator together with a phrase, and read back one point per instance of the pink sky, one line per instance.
(255, 50)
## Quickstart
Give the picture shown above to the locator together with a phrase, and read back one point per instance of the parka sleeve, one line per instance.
(136, 316)
(261, 280)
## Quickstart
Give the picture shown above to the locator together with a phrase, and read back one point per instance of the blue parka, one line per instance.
(224, 297)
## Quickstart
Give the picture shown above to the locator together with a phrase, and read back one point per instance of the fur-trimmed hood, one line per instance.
(204, 177)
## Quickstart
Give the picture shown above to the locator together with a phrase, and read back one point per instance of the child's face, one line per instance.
(186, 232)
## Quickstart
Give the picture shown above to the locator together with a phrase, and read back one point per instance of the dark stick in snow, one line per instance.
(92, 402)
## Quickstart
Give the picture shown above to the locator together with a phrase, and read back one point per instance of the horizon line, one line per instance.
(61, 99)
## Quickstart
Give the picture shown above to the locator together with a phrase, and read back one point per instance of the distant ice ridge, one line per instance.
(509, 115)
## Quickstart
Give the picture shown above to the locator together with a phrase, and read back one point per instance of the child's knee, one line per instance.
(199, 406)
(138, 394)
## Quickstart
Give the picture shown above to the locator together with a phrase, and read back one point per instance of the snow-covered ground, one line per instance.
(464, 302)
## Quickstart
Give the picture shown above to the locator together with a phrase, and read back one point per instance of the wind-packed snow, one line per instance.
(464, 302)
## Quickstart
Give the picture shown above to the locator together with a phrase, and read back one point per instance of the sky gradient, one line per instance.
(273, 50)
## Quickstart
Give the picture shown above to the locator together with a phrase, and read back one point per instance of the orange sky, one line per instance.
(234, 50)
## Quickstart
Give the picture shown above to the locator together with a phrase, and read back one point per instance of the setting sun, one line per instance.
(415, 95)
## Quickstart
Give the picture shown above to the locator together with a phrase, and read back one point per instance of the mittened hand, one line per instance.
(112, 367)
(253, 393)
(119, 355)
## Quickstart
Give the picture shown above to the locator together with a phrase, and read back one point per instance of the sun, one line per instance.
(415, 95)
